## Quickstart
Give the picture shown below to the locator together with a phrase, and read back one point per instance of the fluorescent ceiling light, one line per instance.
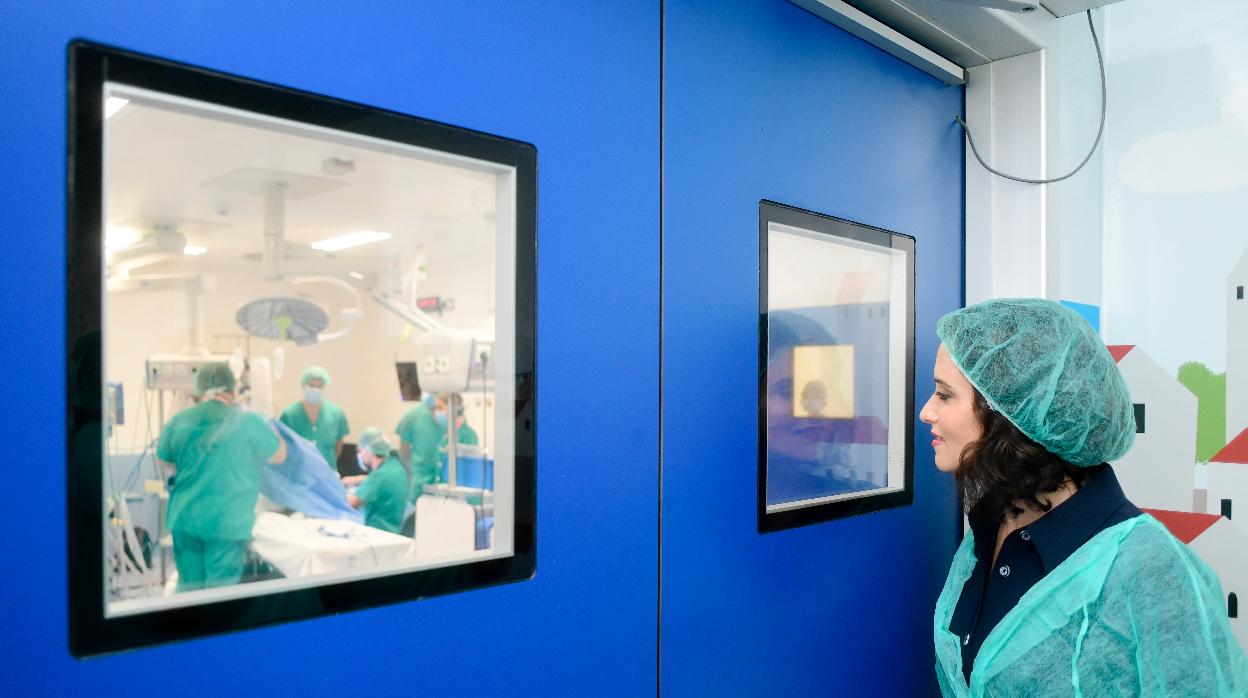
(120, 236)
(194, 250)
(342, 242)
(357, 275)
(112, 105)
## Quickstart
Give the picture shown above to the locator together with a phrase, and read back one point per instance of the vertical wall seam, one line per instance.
(658, 643)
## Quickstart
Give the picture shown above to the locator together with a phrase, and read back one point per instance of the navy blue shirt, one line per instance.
(1030, 553)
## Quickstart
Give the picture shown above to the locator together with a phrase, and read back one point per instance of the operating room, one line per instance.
(350, 282)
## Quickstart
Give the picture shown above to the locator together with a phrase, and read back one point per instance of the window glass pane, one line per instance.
(278, 297)
(835, 368)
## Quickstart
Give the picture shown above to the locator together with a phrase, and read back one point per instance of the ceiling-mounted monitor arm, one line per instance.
(400, 307)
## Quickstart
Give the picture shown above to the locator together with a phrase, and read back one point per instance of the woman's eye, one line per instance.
(944, 397)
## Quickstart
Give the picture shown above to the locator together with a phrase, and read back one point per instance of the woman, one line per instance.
(1061, 585)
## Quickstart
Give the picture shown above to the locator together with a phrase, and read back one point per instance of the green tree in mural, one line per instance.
(1210, 391)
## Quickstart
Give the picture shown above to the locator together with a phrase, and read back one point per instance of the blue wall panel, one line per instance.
(763, 100)
(578, 80)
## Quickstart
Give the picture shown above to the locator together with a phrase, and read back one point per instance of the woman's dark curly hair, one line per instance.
(1005, 466)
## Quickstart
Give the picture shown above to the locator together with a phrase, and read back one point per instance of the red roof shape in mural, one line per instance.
(1234, 452)
(1185, 525)
(1119, 350)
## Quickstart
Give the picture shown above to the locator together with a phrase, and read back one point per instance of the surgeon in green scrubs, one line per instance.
(466, 434)
(418, 444)
(217, 452)
(317, 419)
(383, 492)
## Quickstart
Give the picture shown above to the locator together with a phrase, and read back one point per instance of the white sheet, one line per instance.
(304, 547)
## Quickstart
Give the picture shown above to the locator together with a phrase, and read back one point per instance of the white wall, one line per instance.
(1229, 481)
(1222, 546)
(1157, 473)
(1237, 350)
(1075, 210)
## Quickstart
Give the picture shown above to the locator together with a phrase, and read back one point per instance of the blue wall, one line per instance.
(763, 100)
(581, 83)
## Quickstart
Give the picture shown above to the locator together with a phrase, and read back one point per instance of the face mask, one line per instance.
(440, 418)
(312, 395)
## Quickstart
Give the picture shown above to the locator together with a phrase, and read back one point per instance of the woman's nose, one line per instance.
(927, 415)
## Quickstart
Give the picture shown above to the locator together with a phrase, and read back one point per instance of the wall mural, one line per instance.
(1189, 465)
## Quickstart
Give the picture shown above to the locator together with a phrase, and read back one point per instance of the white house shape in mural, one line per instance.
(1228, 482)
(1237, 347)
(1222, 546)
(1158, 471)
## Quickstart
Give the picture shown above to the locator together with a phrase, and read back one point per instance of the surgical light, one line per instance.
(342, 242)
(194, 250)
(112, 105)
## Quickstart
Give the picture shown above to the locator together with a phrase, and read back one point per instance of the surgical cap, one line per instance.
(374, 441)
(315, 373)
(214, 378)
(1042, 366)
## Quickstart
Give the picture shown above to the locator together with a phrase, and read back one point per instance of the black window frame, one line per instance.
(91, 632)
(832, 227)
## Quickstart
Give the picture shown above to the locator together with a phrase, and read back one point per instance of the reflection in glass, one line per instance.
(301, 332)
(834, 383)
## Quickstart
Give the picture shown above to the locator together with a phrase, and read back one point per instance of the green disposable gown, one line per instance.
(1133, 612)
(418, 428)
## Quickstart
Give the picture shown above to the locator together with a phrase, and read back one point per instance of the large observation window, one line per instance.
(300, 354)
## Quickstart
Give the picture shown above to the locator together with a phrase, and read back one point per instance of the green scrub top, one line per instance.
(418, 429)
(384, 493)
(219, 452)
(330, 427)
(466, 436)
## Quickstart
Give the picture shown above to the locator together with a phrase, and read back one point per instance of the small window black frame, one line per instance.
(772, 212)
(90, 66)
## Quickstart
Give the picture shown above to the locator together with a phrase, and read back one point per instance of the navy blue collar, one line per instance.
(1099, 504)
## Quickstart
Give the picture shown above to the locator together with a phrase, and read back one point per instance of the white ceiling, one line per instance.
(195, 174)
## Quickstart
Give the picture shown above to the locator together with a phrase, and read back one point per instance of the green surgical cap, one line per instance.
(214, 378)
(1042, 366)
(374, 441)
(313, 373)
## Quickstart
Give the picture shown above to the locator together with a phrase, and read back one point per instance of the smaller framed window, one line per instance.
(1139, 418)
(1239, 293)
(836, 360)
(1232, 605)
(1226, 508)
